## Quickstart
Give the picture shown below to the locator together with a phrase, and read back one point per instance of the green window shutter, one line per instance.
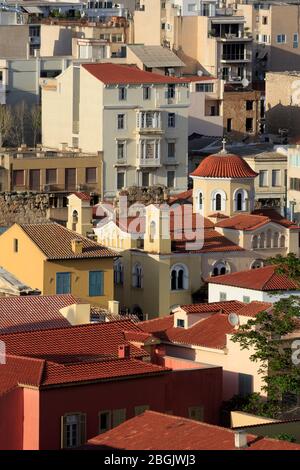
(63, 283)
(118, 417)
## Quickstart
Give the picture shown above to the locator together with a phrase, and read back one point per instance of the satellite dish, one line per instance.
(199, 73)
(233, 319)
(245, 82)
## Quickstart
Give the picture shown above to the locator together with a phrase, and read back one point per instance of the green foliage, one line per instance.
(284, 437)
(253, 404)
(289, 265)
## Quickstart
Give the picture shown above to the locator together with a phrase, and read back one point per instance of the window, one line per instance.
(218, 202)
(51, 176)
(146, 93)
(121, 150)
(223, 296)
(246, 299)
(118, 273)
(196, 413)
(91, 175)
(295, 40)
(245, 384)
(171, 179)
(264, 20)
(263, 178)
(249, 124)
(179, 277)
(257, 264)
(120, 180)
(200, 201)
(148, 120)
(171, 91)
(137, 276)
(275, 177)
(16, 245)
(118, 417)
(249, 105)
(73, 430)
(281, 38)
(138, 410)
(96, 283)
(18, 178)
(204, 87)
(104, 421)
(219, 269)
(145, 179)
(122, 93)
(149, 149)
(240, 200)
(171, 119)
(171, 149)
(191, 7)
(63, 283)
(295, 184)
(180, 323)
(229, 125)
(152, 231)
(121, 121)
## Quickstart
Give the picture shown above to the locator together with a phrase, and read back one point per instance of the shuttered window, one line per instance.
(34, 180)
(73, 430)
(104, 421)
(245, 384)
(63, 283)
(51, 175)
(18, 177)
(70, 179)
(91, 175)
(118, 417)
(96, 283)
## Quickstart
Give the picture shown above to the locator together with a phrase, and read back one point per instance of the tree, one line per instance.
(266, 335)
(19, 116)
(289, 265)
(6, 121)
(35, 123)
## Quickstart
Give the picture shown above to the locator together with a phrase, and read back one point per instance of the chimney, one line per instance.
(76, 245)
(113, 307)
(240, 439)
(124, 351)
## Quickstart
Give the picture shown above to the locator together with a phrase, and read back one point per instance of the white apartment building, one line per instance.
(138, 119)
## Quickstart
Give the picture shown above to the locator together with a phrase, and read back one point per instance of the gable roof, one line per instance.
(264, 279)
(33, 312)
(253, 308)
(255, 220)
(158, 431)
(228, 306)
(115, 74)
(54, 241)
(213, 242)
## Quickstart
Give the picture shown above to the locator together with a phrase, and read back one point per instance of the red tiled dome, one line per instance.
(224, 165)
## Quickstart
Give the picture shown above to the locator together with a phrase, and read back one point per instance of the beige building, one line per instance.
(242, 114)
(138, 119)
(293, 183)
(282, 103)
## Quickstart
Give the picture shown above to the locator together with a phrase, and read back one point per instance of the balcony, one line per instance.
(149, 122)
(148, 162)
(242, 57)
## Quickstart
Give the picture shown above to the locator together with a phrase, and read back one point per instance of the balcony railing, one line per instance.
(236, 57)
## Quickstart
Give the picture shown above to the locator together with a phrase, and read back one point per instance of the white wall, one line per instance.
(238, 293)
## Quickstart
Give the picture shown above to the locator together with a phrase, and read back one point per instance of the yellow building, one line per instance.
(58, 261)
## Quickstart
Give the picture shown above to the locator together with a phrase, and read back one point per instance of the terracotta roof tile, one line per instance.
(256, 219)
(24, 370)
(82, 343)
(253, 308)
(123, 74)
(228, 306)
(264, 279)
(158, 431)
(54, 241)
(82, 196)
(33, 312)
(224, 165)
(213, 242)
(157, 324)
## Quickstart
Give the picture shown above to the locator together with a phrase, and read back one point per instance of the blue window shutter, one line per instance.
(96, 283)
(63, 283)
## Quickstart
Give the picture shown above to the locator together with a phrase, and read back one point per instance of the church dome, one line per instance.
(224, 165)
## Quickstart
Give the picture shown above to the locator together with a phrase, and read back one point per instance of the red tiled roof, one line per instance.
(213, 242)
(137, 336)
(224, 165)
(200, 78)
(123, 74)
(22, 370)
(158, 431)
(255, 220)
(253, 308)
(157, 324)
(218, 215)
(54, 241)
(228, 306)
(33, 312)
(265, 279)
(83, 196)
(185, 195)
(82, 343)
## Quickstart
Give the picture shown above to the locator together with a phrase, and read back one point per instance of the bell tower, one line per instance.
(80, 213)
(157, 230)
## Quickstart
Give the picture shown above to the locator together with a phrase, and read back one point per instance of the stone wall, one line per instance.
(23, 208)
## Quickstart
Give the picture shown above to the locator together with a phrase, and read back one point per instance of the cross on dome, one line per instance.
(224, 146)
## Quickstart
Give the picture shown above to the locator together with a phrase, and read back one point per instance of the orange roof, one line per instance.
(83, 196)
(256, 219)
(213, 242)
(264, 279)
(228, 306)
(224, 165)
(159, 431)
(114, 74)
(253, 308)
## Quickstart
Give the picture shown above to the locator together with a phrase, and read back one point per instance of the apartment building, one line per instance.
(275, 28)
(282, 103)
(242, 109)
(293, 173)
(144, 140)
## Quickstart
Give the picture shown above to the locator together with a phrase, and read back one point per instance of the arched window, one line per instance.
(240, 200)
(220, 268)
(218, 200)
(137, 276)
(282, 241)
(74, 220)
(199, 201)
(258, 263)
(179, 277)
(118, 273)
(254, 242)
(275, 240)
(152, 231)
(269, 239)
(262, 240)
